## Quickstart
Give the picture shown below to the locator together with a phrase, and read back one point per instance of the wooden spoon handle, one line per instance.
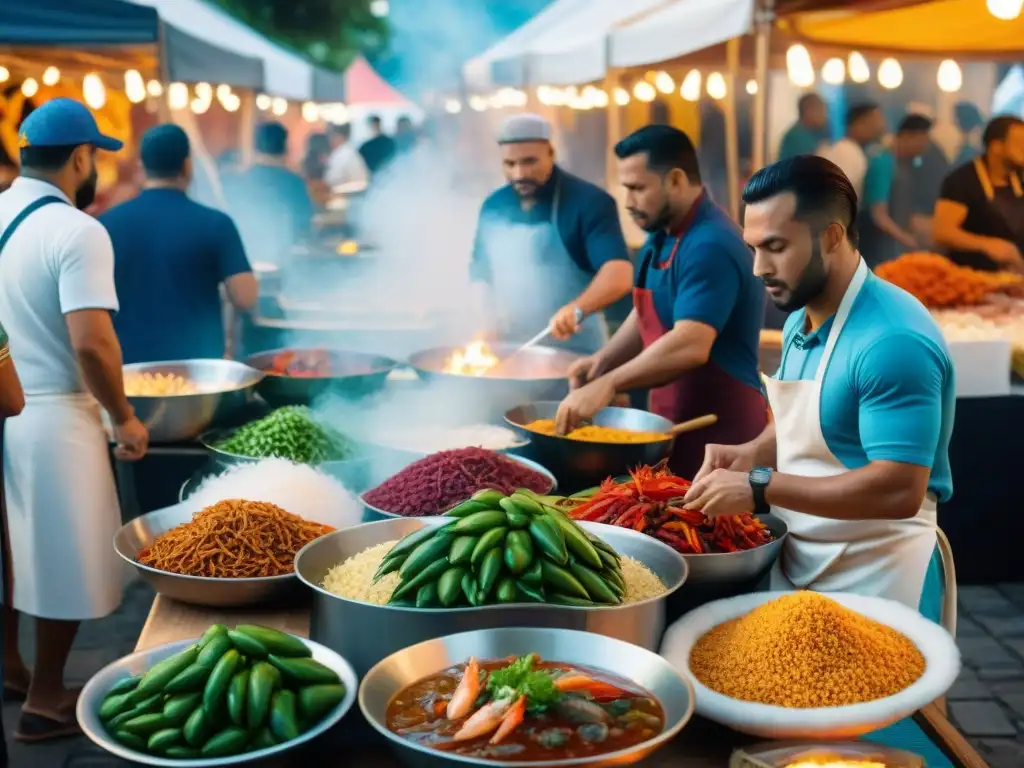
(689, 426)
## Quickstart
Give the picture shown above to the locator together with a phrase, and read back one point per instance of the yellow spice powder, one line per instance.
(805, 650)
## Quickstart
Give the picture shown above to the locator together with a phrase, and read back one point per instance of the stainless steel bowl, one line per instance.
(373, 513)
(736, 567)
(606, 654)
(364, 633)
(197, 590)
(538, 373)
(589, 463)
(137, 663)
(353, 375)
(225, 387)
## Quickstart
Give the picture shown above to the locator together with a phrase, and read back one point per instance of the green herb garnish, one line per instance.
(521, 679)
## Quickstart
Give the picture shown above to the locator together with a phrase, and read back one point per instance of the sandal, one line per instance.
(14, 692)
(34, 727)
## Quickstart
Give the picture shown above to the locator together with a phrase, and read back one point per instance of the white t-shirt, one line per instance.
(346, 166)
(850, 156)
(60, 260)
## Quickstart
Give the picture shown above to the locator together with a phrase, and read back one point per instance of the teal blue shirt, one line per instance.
(878, 178)
(888, 392)
(799, 140)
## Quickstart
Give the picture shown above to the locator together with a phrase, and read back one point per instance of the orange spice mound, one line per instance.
(936, 281)
(805, 651)
(233, 539)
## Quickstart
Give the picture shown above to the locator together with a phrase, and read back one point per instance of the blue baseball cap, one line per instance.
(164, 149)
(63, 123)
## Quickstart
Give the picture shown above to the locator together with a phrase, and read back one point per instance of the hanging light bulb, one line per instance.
(223, 91)
(279, 106)
(950, 78)
(200, 106)
(717, 88)
(5, 74)
(600, 98)
(155, 88)
(134, 86)
(890, 74)
(858, 68)
(309, 112)
(477, 103)
(799, 66)
(177, 96)
(644, 91)
(663, 82)
(621, 97)
(1005, 10)
(231, 102)
(452, 106)
(690, 89)
(93, 91)
(204, 91)
(752, 87)
(833, 71)
(29, 88)
(51, 76)
(545, 95)
(263, 102)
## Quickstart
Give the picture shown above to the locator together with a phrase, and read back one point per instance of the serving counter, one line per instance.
(701, 744)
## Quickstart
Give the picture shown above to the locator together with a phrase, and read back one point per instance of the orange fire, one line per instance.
(840, 763)
(476, 359)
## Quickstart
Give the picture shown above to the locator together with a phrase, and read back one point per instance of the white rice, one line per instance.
(296, 488)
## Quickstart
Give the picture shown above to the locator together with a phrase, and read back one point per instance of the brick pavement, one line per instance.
(987, 702)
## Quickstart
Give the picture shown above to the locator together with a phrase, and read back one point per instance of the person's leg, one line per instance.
(47, 695)
(16, 674)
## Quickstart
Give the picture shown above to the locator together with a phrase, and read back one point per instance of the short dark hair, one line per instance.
(806, 102)
(999, 127)
(344, 130)
(271, 139)
(666, 148)
(915, 124)
(858, 112)
(823, 192)
(47, 159)
(374, 121)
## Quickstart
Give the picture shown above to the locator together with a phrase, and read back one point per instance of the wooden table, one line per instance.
(702, 744)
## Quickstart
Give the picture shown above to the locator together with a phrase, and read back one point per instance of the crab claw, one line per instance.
(511, 721)
(466, 693)
(484, 721)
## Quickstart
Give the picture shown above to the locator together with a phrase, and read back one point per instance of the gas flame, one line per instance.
(476, 359)
(841, 763)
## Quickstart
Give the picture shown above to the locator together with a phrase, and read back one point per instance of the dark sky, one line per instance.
(430, 39)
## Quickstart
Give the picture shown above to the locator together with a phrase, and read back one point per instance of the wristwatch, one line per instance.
(759, 478)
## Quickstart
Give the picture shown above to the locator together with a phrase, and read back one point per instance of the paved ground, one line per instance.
(987, 703)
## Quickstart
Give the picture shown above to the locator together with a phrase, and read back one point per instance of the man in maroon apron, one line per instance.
(692, 337)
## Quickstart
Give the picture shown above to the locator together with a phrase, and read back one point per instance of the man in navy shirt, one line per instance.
(549, 246)
(171, 256)
(692, 337)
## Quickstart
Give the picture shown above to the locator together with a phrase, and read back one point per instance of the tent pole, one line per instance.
(732, 146)
(764, 17)
(614, 130)
(246, 126)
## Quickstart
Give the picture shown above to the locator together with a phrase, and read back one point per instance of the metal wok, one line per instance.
(352, 375)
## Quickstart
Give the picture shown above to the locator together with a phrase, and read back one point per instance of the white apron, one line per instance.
(880, 558)
(62, 510)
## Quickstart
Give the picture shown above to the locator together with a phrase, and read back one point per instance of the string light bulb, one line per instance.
(950, 78)
(263, 102)
(717, 88)
(155, 88)
(309, 112)
(231, 102)
(134, 86)
(644, 91)
(5, 74)
(1005, 10)
(663, 82)
(690, 89)
(600, 98)
(833, 72)
(452, 106)
(51, 76)
(279, 106)
(94, 92)
(621, 97)
(200, 106)
(890, 74)
(177, 96)
(29, 88)
(752, 87)
(857, 67)
(799, 66)
(223, 91)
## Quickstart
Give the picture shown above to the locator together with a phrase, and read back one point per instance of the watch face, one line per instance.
(761, 475)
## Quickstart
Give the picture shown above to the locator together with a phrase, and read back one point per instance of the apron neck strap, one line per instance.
(852, 291)
(985, 179)
(556, 199)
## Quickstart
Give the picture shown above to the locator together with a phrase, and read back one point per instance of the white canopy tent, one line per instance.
(285, 74)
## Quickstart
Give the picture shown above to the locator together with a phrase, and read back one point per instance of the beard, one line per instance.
(810, 285)
(85, 195)
(659, 221)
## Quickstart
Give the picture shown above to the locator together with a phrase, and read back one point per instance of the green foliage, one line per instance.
(328, 32)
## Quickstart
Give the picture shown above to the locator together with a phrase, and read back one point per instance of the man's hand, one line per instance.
(738, 458)
(722, 492)
(1004, 252)
(566, 322)
(132, 440)
(585, 370)
(583, 404)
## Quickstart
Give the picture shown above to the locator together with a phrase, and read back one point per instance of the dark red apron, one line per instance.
(742, 410)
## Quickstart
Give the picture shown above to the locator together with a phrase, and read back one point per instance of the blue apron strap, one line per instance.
(27, 211)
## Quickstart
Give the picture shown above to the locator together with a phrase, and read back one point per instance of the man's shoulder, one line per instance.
(887, 317)
(964, 173)
(585, 191)
(500, 199)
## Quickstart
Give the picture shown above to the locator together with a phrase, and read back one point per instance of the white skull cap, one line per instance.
(525, 126)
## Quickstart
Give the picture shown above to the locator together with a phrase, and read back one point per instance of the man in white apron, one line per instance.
(56, 296)
(549, 246)
(857, 455)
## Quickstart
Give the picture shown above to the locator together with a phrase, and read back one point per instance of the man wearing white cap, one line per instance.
(549, 245)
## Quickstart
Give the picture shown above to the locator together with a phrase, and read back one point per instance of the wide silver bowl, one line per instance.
(589, 463)
(616, 657)
(364, 633)
(538, 373)
(372, 513)
(225, 387)
(137, 663)
(352, 375)
(197, 590)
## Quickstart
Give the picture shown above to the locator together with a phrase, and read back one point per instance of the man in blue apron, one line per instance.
(857, 455)
(549, 245)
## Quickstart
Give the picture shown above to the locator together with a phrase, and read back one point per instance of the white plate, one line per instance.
(942, 665)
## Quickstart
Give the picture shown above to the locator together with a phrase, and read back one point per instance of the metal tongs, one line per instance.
(537, 339)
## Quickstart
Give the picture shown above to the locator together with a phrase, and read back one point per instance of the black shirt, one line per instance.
(983, 218)
(378, 152)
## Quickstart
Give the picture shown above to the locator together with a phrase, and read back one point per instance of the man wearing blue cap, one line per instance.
(171, 255)
(56, 297)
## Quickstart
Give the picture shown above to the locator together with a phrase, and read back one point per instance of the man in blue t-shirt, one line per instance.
(171, 255)
(857, 455)
(692, 337)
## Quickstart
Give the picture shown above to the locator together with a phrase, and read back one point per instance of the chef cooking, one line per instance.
(857, 455)
(692, 337)
(549, 249)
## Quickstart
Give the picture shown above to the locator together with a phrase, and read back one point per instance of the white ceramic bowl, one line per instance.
(942, 665)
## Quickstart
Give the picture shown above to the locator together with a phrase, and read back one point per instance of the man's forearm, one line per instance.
(958, 239)
(868, 493)
(763, 448)
(880, 216)
(661, 363)
(102, 370)
(613, 281)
